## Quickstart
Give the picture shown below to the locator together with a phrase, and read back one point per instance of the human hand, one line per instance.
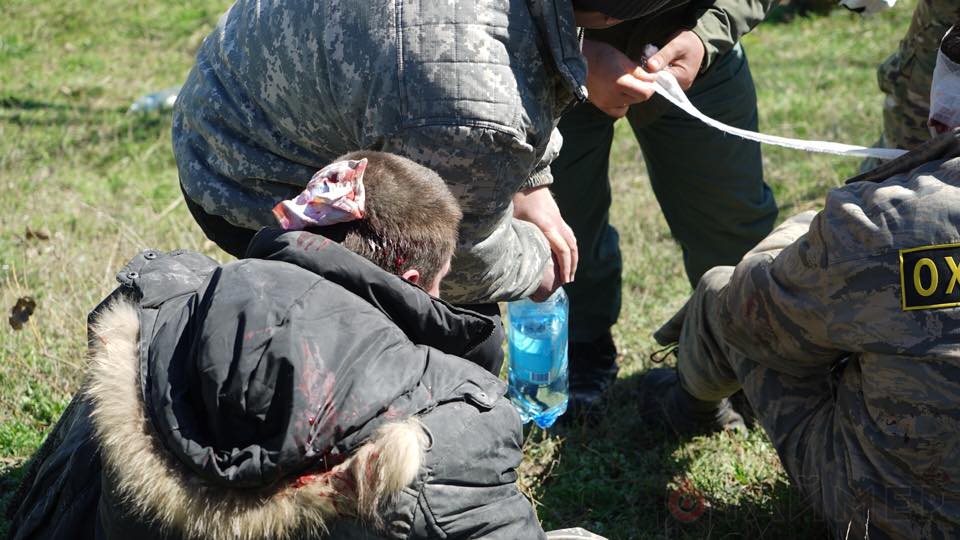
(614, 81)
(682, 56)
(537, 206)
(549, 283)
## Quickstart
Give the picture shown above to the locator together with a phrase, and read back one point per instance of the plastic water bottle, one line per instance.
(156, 101)
(537, 335)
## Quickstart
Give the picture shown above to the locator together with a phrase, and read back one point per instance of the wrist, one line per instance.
(588, 47)
(594, 52)
(697, 42)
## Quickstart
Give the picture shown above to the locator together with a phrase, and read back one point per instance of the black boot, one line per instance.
(662, 396)
(593, 370)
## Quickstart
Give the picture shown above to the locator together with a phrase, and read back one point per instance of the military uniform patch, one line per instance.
(930, 277)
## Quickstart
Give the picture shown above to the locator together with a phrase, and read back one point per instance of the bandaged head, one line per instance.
(334, 195)
(945, 90)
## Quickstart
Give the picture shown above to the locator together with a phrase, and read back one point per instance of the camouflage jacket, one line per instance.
(472, 90)
(873, 285)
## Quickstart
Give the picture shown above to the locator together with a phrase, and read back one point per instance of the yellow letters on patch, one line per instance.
(934, 277)
(956, 274)
(930, 277)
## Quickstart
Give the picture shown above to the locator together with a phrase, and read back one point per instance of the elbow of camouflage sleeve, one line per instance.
(506, 265)
(536, 252)
(541, 177)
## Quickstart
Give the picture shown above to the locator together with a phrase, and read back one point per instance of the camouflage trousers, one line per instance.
(796, 412)
(905, 76)
(796, 403)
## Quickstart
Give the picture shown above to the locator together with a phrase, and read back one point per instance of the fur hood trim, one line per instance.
(155, 487)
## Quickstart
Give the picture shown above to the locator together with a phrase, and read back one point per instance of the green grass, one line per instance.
(98, 185)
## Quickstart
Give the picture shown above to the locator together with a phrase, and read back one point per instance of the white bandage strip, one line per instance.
(945, 97)
(668, 87)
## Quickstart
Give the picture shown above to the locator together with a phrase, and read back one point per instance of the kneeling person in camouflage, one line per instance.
(843, 330)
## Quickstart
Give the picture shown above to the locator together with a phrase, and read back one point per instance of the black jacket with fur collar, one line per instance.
(299, 393)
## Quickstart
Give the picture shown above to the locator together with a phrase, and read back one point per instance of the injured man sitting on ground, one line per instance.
(314, 389)
(842, 328)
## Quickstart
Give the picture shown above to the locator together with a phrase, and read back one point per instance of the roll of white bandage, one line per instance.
(668, 87)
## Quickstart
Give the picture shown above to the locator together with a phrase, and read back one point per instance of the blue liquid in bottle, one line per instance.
(537, 337)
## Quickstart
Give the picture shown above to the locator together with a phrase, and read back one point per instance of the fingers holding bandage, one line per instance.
(614, 81)
(682, 56)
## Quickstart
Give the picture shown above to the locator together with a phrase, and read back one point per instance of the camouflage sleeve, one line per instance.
(781, 301)
(498, 258)
(787, 233)
(781, 237)
(721, 24)
(542, 175)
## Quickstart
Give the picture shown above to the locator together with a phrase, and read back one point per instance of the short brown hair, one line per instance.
(410, 217)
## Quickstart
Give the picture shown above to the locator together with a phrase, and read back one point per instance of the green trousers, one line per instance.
(709, 185)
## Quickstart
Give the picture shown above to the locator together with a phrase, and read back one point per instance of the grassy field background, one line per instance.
(85, 186)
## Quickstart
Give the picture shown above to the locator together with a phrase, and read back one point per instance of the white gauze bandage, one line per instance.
(335, 194)
(945, 91)
(667, 86)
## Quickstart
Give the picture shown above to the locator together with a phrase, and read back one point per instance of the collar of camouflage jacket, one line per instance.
(559, 29)
(945, 146)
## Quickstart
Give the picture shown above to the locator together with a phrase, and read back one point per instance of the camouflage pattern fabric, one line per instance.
(906, 75)
(472, 90)
(855, 377)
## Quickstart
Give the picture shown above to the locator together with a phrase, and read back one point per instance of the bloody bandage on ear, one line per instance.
(334, 195)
